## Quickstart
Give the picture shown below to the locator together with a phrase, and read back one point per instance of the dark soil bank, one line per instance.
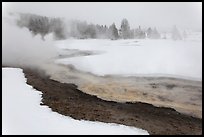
(66, 99)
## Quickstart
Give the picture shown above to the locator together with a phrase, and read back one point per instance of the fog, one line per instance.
(163, 15)
(21, 49)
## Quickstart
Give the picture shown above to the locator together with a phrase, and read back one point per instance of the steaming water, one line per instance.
(183, 95)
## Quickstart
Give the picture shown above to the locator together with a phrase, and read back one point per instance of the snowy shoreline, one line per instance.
(31, 118)
(58, 96)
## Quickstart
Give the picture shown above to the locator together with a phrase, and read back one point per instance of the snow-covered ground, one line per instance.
(22, 113)
(163, 57)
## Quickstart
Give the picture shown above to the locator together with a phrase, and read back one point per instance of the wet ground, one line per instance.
(184, 95)
(66, 99)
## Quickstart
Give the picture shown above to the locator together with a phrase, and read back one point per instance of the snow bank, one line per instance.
(138, 57)
(22, 113)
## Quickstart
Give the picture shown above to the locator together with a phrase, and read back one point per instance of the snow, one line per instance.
(22, 113)
(162, 57)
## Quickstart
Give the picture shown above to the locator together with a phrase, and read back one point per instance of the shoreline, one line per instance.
(68, 100)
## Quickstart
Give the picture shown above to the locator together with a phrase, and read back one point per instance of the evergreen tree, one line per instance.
(184, 34)
(149, 32)
(176, 34)
(125, 29)
(113, 32)
(155, 34)
(139, 33)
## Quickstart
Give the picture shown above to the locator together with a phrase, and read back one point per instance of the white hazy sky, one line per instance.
(163, 15)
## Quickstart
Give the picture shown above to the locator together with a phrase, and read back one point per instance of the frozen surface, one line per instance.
(163, 57)
(22, 113)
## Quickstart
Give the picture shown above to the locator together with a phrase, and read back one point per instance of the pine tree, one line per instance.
(176, 34)
(149, 32)
(113, 32)
(155, 34)
(125, 29)
(139, 33)
(184, 34)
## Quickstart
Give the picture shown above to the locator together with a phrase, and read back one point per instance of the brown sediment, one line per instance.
(180, 100)
(66, 99)
(184, 95)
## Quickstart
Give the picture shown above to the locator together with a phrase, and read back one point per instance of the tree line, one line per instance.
(82, 30)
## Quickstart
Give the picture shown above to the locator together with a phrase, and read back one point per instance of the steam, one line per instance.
(21, 49)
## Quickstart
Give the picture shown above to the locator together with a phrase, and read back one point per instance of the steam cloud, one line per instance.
(21, 49)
